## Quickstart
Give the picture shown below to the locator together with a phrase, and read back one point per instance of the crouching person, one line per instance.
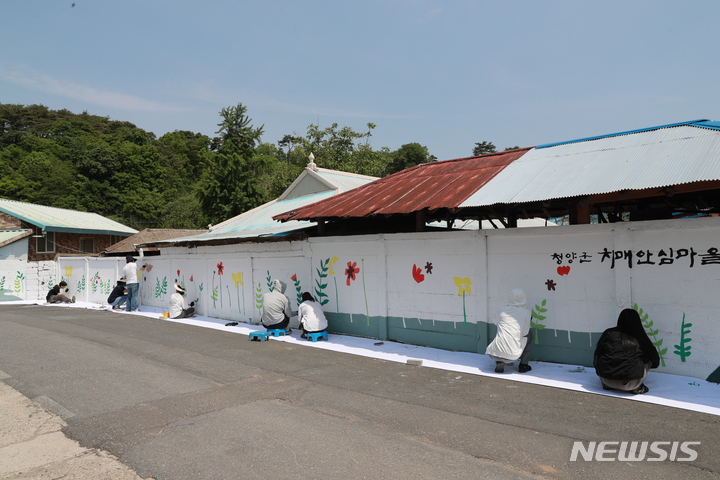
(118, 296)
(514, 335)
(310, 315)
(57, 294)
(178, 307)
(276, 308)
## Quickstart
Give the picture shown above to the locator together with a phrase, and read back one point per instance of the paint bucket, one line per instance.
(166, 314)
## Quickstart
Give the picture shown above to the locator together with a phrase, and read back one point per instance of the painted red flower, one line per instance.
(294, 277)
(191, 278)
(178, 272)
(220, 268)
(417, 274)
(351, 272)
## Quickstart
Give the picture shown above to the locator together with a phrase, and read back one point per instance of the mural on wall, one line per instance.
(217, 289)
(197, 289)
(2, 283)
(417, 274)
(321, 284)
(351, 272)
(463, 284)
(537, 316)
(298, 288)
(646, 258)
(161, 288)
(683, 350)
(258, 298)
(94, 282)
(238, 279)
(648, 324)
(269, 281)
(81, 284)
(331, 271)
(665, 256)
(18, 282)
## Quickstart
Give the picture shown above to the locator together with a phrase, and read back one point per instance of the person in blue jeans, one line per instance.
(130, 271)
(118, 296)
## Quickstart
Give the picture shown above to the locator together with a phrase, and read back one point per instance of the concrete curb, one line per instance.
(32, 445)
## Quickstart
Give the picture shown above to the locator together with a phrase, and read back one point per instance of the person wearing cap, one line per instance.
(130, 272)
(119, 295)
(178, 307)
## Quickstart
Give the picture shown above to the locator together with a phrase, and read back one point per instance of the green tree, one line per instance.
(484, 148)
(231, 182)
(407, 156)
(336, 148)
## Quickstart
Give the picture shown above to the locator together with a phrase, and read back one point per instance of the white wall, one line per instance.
(395, 292)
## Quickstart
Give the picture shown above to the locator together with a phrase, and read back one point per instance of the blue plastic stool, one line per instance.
(317, 336)
(276, 332)
(262, 336)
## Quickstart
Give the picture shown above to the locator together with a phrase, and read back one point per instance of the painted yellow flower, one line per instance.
(237, 278)
(463, 285)
(332, 262)
(68, 271)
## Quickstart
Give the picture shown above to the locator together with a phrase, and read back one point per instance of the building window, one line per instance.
(115, 239)
(46, 243)
(86, 245)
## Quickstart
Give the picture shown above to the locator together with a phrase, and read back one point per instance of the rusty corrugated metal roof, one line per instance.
(444, 184)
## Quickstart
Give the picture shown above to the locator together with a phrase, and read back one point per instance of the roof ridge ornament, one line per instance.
(311, 164)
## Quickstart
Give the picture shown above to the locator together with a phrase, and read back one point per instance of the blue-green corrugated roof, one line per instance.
(9, 236)
(703, 123)
(258, 222)
(52, 219)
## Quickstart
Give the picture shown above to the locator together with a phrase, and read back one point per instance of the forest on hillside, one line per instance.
(182, 179)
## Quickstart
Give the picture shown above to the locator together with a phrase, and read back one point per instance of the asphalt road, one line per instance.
(175, 401)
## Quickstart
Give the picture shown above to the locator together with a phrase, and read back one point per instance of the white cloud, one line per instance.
(83, 93)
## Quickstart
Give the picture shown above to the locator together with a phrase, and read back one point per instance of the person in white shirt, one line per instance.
(178, 307)
(130, 272)
(310, 315)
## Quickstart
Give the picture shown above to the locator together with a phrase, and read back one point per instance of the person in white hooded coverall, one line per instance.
(514, 336)
(276, 307)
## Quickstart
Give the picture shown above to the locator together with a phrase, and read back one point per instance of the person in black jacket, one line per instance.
(624, 354)
(119, 295)
(57, 294)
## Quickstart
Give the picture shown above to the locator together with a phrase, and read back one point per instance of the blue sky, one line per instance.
(445, 74)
